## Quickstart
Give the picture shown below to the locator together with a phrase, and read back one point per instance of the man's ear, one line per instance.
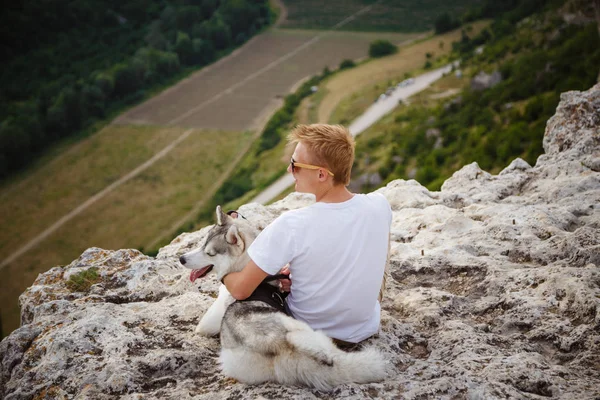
(233, 236)
(322, 175)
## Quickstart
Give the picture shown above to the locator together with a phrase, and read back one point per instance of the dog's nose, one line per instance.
(182, 260)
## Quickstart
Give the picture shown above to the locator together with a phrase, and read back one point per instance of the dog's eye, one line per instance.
(210, 253)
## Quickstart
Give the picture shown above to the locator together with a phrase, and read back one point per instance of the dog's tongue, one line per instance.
(197, 273)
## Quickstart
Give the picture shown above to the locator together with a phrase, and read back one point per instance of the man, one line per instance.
(336, 248)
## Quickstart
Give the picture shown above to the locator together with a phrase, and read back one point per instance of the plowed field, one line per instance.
(232, 93)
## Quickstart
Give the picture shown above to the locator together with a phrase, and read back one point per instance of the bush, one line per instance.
(380, 48)
(445, 23)
(127, 80)
(184, 48)
(347, 64)
(534, 109)
(271, 135)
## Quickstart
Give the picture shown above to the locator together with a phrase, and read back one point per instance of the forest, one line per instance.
(69, 64)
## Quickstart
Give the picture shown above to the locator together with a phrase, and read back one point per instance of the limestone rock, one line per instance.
(493, 293)
(483, 81)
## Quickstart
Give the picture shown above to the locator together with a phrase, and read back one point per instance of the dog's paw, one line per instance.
(207, 330)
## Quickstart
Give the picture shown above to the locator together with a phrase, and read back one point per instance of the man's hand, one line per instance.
(241, 284)
(285, 284)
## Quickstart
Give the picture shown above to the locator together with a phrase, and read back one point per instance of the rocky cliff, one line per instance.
(494, 292)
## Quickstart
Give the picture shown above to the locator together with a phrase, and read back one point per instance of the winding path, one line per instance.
(180, 116)
(368, 118)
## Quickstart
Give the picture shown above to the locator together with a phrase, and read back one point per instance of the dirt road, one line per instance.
(372, 115)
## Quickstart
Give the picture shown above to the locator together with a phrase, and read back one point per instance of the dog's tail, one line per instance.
(322, 365)
(367, 365)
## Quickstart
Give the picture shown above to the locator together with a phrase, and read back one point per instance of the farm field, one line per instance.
(129, 217)
(353, 90)
(384, 15)
(233, 92)
(222, 106)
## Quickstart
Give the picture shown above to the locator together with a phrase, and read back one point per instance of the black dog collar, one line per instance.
(270, 295)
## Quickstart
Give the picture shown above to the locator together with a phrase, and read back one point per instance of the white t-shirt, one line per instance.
(337, 254)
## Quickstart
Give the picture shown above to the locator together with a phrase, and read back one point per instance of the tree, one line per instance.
(66, 113)
(187, 16)
(155, 37)
(445, 23)
(240, 15)
(167, 63)
(218, 32)
(203, 51)
(127, 80)
(184, 48)
(105, 82)
(208, 7)
(345, 64)
(93, 100)
(380, 48)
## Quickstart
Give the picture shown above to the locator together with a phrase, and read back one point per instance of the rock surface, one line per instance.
(483, 81)
(494, 293)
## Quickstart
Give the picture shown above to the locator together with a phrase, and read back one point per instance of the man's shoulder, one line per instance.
(291, 217)
(376, 198)
(379, 204)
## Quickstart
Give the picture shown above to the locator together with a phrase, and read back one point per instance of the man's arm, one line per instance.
(242, 284)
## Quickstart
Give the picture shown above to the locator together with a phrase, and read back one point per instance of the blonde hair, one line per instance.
(332, 147)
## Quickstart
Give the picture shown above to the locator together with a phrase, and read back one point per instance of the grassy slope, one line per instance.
(129, 217)
(355, 89)
(491, 127)
(272, 163)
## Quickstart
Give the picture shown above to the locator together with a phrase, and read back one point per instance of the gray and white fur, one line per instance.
(260, 344)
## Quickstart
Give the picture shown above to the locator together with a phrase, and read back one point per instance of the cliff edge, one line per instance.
(494, 292)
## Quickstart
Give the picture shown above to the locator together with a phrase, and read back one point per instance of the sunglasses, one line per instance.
(295, 165)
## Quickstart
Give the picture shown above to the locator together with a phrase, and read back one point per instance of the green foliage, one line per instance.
(380, 48)
(279, 122)
(345, 64)
(241, 181)
(494, 126)
(445, 23)
(184, 48)
(128, 77)
(82, 281)
(96, 58)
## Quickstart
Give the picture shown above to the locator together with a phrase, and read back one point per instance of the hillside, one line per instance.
(147, 175)
(493, 293)
(67, 65)
(408, 142)
(492, 109)
(178, 192)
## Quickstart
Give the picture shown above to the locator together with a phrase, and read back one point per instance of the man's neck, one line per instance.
(334, 194)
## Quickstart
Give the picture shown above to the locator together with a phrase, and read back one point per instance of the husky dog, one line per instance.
(259, 343)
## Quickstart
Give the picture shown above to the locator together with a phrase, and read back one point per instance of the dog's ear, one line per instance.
(221, 216)
(233, 236)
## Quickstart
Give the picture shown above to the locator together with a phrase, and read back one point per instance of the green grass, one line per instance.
(432, 138)
(353, 91)
(134, 215)
(82, 281)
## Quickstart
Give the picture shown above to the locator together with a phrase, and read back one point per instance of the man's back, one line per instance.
(337, 254)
